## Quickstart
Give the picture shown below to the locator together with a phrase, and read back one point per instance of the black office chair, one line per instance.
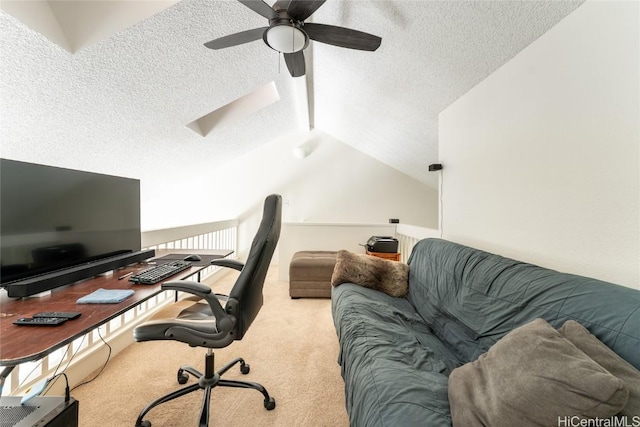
(202, 321)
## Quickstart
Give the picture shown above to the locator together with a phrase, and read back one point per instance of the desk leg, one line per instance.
(3, 376)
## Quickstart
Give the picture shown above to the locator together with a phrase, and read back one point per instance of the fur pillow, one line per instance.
(390, 277)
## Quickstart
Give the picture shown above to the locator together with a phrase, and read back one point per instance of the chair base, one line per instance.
(207, 382)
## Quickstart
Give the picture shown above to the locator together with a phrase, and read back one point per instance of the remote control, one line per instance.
(70, 315)
(39, 321)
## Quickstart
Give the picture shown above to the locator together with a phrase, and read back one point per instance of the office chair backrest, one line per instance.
(245, 299)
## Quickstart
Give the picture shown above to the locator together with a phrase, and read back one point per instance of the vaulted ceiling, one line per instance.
(91, 80)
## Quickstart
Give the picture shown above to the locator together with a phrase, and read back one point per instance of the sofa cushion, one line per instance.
(489, 295)
(395, 370)
(390, 277)
(531, 377)
(608, 359)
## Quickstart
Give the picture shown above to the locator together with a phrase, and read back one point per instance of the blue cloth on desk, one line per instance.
(106, 296)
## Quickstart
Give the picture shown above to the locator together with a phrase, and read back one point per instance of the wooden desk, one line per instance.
(166, 255)
(19, 344)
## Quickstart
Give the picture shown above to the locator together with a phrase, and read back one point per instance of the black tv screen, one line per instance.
(53, 218)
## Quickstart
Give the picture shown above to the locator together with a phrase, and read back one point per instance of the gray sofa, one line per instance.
(396, 354)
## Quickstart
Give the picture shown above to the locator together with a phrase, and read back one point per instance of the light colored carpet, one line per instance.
(291, 347)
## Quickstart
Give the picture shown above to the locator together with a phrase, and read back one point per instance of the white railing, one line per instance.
(87, 353)
(409, 235)
(212, 235)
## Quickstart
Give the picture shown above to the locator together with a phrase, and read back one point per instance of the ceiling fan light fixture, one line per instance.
(286, 38)
(287, 32)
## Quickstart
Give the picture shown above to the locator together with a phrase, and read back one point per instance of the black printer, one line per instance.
(384, 244)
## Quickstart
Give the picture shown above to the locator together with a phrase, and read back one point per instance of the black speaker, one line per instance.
(46, 282)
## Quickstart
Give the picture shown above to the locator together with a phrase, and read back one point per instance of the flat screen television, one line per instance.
(53, 218)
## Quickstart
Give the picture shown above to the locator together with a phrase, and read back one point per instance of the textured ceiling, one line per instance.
(128, 97)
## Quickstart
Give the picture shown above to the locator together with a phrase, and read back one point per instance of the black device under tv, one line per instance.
(55, 279)
(60, 225)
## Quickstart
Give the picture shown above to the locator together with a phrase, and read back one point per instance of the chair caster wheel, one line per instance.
(182, 377)
(270, 404)
(245, 368)
(144, 424)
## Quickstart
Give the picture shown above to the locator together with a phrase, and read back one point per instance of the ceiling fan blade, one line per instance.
(236, 39)
(260, 7)
(343, 37)
(302, 9)
(295, 63)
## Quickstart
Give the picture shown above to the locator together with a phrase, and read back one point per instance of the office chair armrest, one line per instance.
(194, 288)
(224, 321)
(229, 263)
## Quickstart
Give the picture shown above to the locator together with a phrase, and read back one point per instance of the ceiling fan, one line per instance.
(289, 34)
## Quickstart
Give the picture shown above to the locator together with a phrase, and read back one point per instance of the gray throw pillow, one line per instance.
(531, 377)
(608, 359)
(390, 277)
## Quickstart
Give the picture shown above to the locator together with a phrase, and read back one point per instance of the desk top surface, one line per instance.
(19, 344)
(207, 256)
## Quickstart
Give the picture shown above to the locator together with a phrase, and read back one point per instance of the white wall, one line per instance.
(334, 183)
(542, 159)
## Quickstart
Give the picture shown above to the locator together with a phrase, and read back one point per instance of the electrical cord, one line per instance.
(72, 356)
(39, 364)
(55, 376)
(53, 379)
(67, 391)
(103, 366)
(441, 204)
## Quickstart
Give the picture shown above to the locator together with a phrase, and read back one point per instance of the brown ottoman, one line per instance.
(310, 274)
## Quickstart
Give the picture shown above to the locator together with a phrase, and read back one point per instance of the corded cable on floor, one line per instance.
(56, 375)
(51, 381)
(103, 366)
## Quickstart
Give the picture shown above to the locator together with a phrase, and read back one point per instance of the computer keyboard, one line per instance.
(160, 272)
